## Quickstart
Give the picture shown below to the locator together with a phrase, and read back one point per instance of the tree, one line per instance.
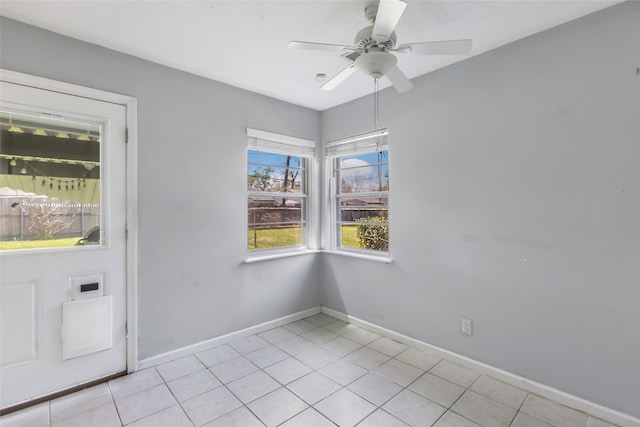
(286, 173)
(346, 186)
(262, 179)
(48, 218)
(286, 179)
(293, 178)
(373, 233)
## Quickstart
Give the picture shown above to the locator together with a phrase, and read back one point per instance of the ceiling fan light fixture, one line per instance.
(373, 45)
(376, 63)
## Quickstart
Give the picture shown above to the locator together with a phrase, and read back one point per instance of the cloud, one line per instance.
(359, 175)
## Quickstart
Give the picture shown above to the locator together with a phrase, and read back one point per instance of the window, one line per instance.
(360, 193)
(49, 180)
(278, 170)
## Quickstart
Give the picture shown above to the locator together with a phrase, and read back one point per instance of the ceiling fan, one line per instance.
(371, 52)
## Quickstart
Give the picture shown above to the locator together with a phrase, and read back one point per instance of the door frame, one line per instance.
(131, 106)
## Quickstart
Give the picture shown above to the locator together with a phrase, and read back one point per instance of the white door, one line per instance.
(63, 288)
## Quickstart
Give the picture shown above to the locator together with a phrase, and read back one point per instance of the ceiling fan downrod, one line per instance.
(376, 103)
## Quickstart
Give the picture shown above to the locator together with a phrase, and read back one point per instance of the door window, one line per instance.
(50, 192)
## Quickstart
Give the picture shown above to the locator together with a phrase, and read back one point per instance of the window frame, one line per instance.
(274, 143)
(365, 143)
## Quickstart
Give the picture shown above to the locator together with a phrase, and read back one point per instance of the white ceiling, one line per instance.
(244, 43)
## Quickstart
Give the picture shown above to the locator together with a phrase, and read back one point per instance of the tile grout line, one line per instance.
(519, 409)
(450, 408)
(252, 413)
(342, 387)
(369, 371)
(173, 394)
(428, 371)
(318, 343)
(245, 405)
(148, 388)
(113, 400)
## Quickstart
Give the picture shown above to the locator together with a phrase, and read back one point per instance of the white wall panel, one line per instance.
(20, 322)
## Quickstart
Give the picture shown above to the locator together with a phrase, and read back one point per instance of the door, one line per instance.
(62, 242)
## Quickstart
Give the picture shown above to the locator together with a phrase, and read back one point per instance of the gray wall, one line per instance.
(515, 202)
(192, 150)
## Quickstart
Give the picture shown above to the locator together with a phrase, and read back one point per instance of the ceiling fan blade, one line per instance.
(389, 13)
(399, 80)
(450, 47)
(294, 44)
(339, 78)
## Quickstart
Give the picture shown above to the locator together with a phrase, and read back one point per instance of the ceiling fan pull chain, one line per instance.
(376, 104)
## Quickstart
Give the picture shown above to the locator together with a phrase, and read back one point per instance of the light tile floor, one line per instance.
(314, 372)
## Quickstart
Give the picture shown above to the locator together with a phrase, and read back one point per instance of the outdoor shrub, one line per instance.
(373, 233)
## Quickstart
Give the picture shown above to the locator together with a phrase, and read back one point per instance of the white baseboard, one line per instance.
(593, 409)
(569, 400)
(223, 339)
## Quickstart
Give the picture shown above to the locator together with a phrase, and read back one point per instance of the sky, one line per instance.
(359, 173)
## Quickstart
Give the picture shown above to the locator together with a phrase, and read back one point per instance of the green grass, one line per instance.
(274, 238)
(36, 244)
(280, 237)
(267, 238)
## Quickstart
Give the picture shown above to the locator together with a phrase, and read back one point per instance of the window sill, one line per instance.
(383, 259)
(267, 257)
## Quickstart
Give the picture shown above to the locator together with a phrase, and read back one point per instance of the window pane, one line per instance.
(266, 158)
(370, 158)
(364, 223)
(352, 209)
(49, 181)
(360, 190)
(275, 222)
(367, 233)
(260, 178)
(274, 179)
(364, 173)
(275, 173)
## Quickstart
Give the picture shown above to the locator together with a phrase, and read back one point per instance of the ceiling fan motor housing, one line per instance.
(374, 60)
(364, 40)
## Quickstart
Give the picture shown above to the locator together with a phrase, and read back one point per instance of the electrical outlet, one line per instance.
(466, 326)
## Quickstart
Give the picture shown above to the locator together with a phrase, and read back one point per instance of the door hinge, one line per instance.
(126, 135)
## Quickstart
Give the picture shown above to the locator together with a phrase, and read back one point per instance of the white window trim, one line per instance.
(281, 139)
(267, 255)
(355, 253)
(289, 145)
(333, 150)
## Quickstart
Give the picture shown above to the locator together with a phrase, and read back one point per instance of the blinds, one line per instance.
(369, 142)
(280, 144)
